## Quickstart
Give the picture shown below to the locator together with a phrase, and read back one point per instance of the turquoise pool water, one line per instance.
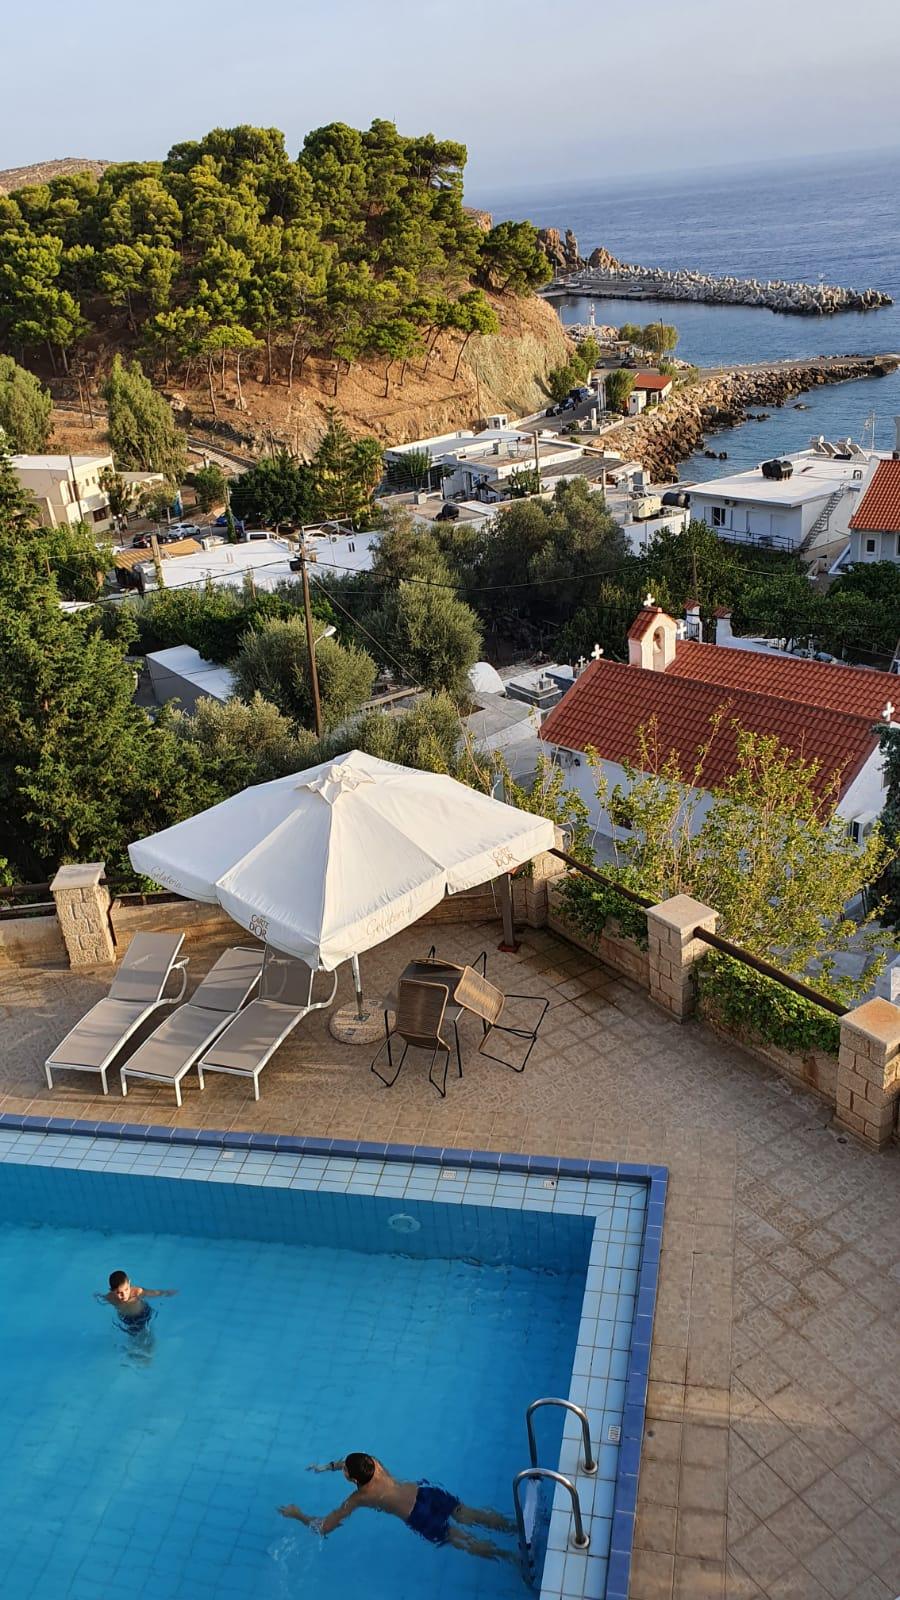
(308, 1322)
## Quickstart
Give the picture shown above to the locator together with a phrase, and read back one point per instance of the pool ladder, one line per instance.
(526, 1513)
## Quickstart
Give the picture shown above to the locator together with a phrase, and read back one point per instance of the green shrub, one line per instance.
(747, 1002)
(590, 905)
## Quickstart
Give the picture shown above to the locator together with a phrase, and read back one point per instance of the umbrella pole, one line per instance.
(357, 985)
(506, 911)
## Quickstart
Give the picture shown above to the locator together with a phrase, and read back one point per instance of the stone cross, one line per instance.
(648, 599)
(596, 653)
(888, 712)
(581, 663)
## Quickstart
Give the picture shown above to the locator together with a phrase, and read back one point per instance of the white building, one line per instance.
(477, 466)
(66, 488)
(823, 712)
(650, 389)
(808, 509)
(266, 562)
(182, 674)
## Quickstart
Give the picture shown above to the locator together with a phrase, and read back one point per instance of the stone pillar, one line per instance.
(868, 1080)
(544, 869)
(674, 953)
(82, 907)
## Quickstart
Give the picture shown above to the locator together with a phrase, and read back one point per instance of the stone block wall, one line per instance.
(868, 1081)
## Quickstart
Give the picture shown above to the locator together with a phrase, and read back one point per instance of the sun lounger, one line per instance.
(181, 1038)
(285, 998)
(135, 993)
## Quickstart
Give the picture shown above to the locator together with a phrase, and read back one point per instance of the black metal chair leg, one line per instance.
(442, 1086)
(388, 1082)
(458, 1051)
(516, 1033)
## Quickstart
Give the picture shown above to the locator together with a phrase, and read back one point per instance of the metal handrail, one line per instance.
(580, 1539)
(796, 985)
(768, 971)
(589, 1465)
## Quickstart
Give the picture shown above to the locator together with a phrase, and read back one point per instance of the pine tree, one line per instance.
(142, 430)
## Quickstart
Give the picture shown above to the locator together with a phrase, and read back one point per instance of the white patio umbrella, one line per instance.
(326, 863)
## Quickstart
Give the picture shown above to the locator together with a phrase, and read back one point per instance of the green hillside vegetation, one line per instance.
(361, 247)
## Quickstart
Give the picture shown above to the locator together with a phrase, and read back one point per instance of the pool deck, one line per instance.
(771, 1461)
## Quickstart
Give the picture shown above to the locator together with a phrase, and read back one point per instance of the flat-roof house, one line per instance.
(875, 527)
(66, 488)
(807, 507)
(650, 389)
(823, 712)
(475, 466)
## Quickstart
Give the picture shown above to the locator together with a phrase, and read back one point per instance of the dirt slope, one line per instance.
(501, 373)
(42, 171)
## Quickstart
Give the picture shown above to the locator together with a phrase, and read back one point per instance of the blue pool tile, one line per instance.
(618, 1572)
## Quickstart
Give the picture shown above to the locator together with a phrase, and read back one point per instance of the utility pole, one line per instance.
(157, 561)
(75, 488)
(310, 641)
(537, 459)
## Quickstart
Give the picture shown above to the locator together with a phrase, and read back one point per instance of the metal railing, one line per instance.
(25, 900)
(589, 1464)
(580, 1539)
(714, 940)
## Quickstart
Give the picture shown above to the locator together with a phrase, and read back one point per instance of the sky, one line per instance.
(541, 93)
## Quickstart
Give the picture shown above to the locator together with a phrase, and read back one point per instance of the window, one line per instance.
(718, 516)
(102, 514)
(870, 547)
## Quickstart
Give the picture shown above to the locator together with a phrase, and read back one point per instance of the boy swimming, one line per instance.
(130, 1301)
(425, 1508)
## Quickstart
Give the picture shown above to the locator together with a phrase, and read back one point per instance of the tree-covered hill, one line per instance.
(359, 248)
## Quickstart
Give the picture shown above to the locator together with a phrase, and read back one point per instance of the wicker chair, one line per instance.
(474, 993)
(421, 1012)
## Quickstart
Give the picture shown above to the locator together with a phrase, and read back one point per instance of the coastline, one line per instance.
(662, 437)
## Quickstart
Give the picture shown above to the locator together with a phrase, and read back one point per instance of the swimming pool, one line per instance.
(407, 1302)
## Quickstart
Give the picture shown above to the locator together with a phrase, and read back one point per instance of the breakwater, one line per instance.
(662, 437)
(623, 281)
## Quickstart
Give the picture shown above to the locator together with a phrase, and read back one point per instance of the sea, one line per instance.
(837, 218)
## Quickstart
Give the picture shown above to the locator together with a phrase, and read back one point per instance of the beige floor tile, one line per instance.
(702, 1488)
(799, 1528)
(762, 1490)
(763, 1554)
(655, 1528)
(652, 1575)
(837, 1568)
(701, 1533)
(699, 1580)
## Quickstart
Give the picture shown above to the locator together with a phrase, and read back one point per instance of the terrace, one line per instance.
(772, 1449)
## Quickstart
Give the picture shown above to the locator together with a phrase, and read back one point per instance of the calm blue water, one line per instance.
(839, 218)
(156, 1472)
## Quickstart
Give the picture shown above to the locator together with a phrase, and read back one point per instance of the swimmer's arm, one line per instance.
(327, 1524)
(157, 1294)
(326, 1466)
(102, 1299)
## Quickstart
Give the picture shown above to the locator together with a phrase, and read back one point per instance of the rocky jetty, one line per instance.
(666, 434)
(603, 275)
(657, 283)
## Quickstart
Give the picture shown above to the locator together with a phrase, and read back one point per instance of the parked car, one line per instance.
(222, 522)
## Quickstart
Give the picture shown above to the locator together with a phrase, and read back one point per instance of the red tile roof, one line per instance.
(857, 691)
(610, 702)
(651, 380)
(644, 620)
(879, 509)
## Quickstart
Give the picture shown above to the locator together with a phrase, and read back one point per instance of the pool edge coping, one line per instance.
(655, 1176)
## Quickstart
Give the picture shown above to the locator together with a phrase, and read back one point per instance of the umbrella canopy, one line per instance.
(325, 863)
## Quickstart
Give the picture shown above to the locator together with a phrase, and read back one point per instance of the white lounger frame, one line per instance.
(103, 1067)
(296, 1016)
